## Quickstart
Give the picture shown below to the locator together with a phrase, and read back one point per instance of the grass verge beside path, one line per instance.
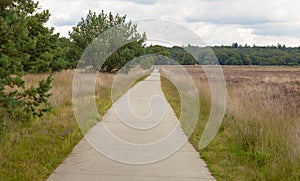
(257, 140)
(32, 150)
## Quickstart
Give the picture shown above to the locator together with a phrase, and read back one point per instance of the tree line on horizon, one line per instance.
(28, 46)
(257, 55)
(234, 55)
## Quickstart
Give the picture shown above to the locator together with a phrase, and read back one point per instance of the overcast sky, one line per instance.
(217, 22)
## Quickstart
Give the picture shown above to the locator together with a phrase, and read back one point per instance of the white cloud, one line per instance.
(215, 21)
(214, 34)
(141, 1)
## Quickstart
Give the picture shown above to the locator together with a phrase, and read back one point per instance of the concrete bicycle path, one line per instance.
(86, 162)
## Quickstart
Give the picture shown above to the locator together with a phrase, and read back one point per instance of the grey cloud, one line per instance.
(278, 29)
(147, 2)
(268, 19)
(246, 21)
(61, 22)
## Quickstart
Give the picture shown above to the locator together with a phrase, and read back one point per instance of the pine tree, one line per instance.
(19, 47)
(46, 55)
(93, 25)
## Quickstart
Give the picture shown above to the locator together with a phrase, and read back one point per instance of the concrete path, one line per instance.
(151, 134)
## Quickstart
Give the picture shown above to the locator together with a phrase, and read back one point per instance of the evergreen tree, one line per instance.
(46, 55)
(93, 25)
(18, 47)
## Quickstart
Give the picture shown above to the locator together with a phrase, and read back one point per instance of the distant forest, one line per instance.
(263, 55)
(28, 46)
(235, 55)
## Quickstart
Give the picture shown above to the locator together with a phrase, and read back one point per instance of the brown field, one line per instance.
(260, 135)
(258, 140)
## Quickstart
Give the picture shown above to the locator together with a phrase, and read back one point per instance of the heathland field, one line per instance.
(260, 135)
(32, 149)
(258, 139)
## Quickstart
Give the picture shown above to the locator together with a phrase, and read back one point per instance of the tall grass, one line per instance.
(264, 110)
(32, 150)
(260, 135)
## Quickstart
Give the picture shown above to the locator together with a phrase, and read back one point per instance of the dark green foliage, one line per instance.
(232, 55)
(38, 42)
(182, 56)
(69, 49)
(46, 54)
(34, 97)
(23, 48)
(159, 50)
(178, 54)
(246, 55)
(92, 27)
(161, 53)
(123, 55)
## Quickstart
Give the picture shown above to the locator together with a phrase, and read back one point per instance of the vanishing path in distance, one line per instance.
(142, 143)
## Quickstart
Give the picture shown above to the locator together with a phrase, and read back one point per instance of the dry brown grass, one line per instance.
(264, 103)
(62, 84)
(260, 135)
(32, 150)
(268, 95)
